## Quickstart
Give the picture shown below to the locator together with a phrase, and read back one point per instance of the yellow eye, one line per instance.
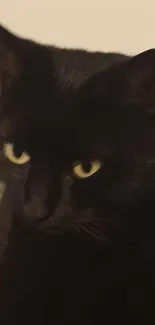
(84, 171)
(9, 153)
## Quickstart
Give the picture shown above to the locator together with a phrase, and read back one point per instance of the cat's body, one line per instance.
(93, 260)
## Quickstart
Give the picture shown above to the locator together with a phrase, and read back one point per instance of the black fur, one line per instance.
(79, 251)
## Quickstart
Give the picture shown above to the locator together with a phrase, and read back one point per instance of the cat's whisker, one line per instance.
(100, 226)
(99, 233)
(93, 231)
(89, 232)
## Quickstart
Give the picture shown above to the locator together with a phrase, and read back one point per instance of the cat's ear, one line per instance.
(137, 79)
(11, 53)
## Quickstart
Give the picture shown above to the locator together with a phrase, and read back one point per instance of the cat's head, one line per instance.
(88, 157)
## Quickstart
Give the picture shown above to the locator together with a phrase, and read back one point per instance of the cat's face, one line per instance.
(84, 158)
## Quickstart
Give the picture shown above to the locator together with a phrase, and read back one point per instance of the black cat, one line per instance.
(77, 132)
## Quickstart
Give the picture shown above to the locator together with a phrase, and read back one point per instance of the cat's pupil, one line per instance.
(17, 151)
(86, 167)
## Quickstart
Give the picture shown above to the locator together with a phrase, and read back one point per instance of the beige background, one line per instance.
(118, 25)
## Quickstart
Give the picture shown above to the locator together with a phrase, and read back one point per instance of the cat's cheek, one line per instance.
(12, 180)
(2, 190)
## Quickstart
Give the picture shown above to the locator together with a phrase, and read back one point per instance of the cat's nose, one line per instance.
(59, 218)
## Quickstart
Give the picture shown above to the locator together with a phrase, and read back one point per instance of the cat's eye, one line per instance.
(9, 153)
(84, 170)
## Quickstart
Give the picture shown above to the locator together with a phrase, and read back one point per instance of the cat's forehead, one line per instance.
(102, 112)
